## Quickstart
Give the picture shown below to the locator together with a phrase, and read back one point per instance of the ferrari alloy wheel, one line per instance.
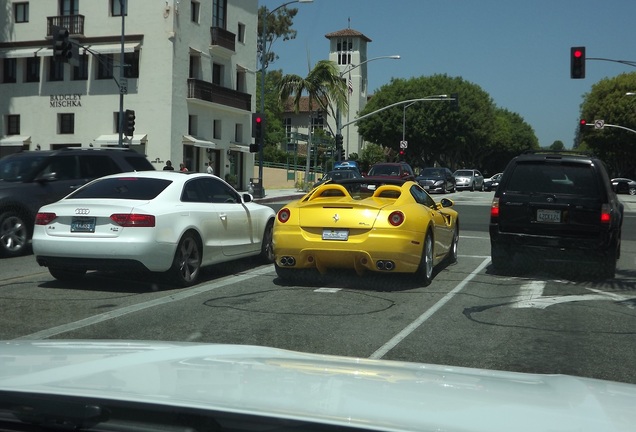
(186, 265)
(267, 247)
(13, 234)
(425, 270)
(66, 275)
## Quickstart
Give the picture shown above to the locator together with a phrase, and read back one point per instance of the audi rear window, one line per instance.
(132, 188)
(569, 179)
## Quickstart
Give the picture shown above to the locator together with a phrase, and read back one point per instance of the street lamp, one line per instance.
(263, 43)
(349, 69)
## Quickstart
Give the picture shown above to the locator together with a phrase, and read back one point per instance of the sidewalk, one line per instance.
(272, 195)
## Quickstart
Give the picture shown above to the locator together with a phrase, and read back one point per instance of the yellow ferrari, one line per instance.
(389, 226)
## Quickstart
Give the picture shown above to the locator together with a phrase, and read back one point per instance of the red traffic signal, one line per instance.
(582, 124)
(577, 62)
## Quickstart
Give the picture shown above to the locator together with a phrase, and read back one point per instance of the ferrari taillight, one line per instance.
(606, 214)
(494, 208)
(133, 220)
(283, 215)
(396, 218)
(44, 218)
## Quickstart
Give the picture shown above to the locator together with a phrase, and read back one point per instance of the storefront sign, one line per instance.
(66, 101)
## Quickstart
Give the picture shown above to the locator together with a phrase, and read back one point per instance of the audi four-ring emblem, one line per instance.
(82, 211)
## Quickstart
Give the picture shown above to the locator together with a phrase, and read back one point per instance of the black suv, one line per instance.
(31, 179)
(556, 207)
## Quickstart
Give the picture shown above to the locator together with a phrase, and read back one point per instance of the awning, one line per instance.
(20, 52)
(240, 148)
(15, 140)
(112, 48)
(189, 139)
(113, 140)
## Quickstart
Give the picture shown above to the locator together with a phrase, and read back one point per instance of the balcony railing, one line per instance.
(215, 93)
(74, 24)
(223, 38)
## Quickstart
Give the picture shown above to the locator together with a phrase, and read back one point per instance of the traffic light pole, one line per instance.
(121, 74)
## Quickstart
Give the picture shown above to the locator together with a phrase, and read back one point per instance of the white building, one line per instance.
(189, 77)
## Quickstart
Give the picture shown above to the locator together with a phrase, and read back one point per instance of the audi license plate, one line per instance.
(549, 216)
(83, 224)
(335, 234)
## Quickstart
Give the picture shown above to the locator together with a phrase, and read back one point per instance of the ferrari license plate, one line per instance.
(335, 234)
(83, 224)
(549, 216)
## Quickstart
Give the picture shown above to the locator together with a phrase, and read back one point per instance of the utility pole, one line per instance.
(123, 88)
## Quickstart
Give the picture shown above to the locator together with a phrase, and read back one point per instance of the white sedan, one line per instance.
(160, 221)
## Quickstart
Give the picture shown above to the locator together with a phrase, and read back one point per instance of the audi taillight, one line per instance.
(133, 220)
(283, 215)
(44, 218)
(494, 208)
(396, 218)
(606, 214)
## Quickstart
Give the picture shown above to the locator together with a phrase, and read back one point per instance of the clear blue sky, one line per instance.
(517, 51)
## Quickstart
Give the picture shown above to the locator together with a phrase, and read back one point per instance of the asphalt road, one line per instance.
(545, 320)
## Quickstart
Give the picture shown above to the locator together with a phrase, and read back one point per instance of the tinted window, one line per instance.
(17, 168)
(422, 197)
(95, 166)
(464, 173)
(432, 172)
(573, 179)
(123, 188)
(139, 163)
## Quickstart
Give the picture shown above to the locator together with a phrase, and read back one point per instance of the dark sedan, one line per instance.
(624, 185)
(490, 184)
(436, 180)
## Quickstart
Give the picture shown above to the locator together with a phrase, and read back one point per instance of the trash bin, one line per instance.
(259, 192)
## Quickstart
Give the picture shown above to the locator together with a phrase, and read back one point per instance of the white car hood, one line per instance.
(373, 394)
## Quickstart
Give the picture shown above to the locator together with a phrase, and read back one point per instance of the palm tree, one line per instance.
(325, 88)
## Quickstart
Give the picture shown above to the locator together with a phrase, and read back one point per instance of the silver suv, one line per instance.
(469, 179)
(31, 179)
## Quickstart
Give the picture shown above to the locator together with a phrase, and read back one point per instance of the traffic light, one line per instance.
(582, 124)
(577, 62)
(258, 125)
(61, 45)
(339, 148)
(454, 103)
(129, 125)
(342, 154)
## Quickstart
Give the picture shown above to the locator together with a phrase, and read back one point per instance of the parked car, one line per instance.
(160, 221)
(491, 183)
(390, 226)
(399, 170)
(31, 179)
(624, 185)
(349, 165)
(436, 179)
(469, 179)
(339, 174)
(556, 207)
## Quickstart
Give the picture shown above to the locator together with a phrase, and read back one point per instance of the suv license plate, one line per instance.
(335, 234)
(83, 224)
(549, 216)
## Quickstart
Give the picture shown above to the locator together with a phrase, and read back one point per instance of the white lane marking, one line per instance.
(392, 343)
(327, 290)
(531, 296)
(528, 294)
(43, 334)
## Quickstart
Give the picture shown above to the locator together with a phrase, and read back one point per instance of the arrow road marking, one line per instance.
(531, 296)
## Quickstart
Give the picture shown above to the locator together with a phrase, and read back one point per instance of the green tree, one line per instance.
(279, 25)
(435, 132)
(608, 101)
(512, 136)
(323, 87)
(557, 146)
(371, 153)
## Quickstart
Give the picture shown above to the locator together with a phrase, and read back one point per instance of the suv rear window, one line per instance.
(123, 188)
(569, 179)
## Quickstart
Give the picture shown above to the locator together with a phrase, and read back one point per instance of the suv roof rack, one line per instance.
(557, 152)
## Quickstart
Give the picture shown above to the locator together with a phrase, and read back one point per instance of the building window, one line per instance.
(219, 10)
(80, 73)
(66, 123)
(9, 70)
(344, 47)
(32, 69)
(216, 133)
(195, 67)
(69, 7)
(241, 81)
(104, 66)
(13, 124)
(115, 8)
(21, 12)
(195, 6)
(238, 133)
(241, 33)
(56, 70)
(131, 60)
(217, 74)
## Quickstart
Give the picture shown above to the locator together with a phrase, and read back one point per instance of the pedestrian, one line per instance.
(168, 166)
(182, 167)
(210, 170)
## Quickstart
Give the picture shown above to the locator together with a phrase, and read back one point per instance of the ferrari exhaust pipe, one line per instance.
(385, 265)
(287, 261)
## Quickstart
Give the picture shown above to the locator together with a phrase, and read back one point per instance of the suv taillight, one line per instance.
(494, 208)
(606, 215)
